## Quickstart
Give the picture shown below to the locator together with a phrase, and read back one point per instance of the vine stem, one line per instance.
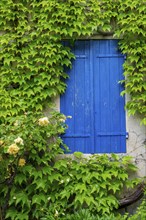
(0, 213)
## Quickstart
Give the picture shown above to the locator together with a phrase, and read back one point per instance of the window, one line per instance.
(93, 99)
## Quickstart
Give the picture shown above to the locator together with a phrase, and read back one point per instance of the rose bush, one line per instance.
(28, 147)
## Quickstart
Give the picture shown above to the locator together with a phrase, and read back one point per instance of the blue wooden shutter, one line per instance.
(76, 102)
(93, 99)
(109, 115)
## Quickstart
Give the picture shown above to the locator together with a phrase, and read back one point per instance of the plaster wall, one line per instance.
(136, 142)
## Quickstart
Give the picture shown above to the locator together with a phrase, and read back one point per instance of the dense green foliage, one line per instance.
(28, 149)
(85, 214)
(141, 211)
(132, 28)
(32, 57)
(35, 185)
(32, 61)
(92, 183)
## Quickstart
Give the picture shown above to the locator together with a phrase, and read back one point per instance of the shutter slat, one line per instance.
(111, 134)
(109, 55)
(77, 136)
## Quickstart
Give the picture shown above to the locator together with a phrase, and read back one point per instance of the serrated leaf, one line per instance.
(38, 199)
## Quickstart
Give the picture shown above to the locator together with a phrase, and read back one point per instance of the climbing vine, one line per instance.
(132, 28)
(32, 56)
(32, 72)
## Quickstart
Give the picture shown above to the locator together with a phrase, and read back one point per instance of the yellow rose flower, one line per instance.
(16, 123)
(13, 149)
(18, 140)
(43, 121)
(1, 142)
(21, 162)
